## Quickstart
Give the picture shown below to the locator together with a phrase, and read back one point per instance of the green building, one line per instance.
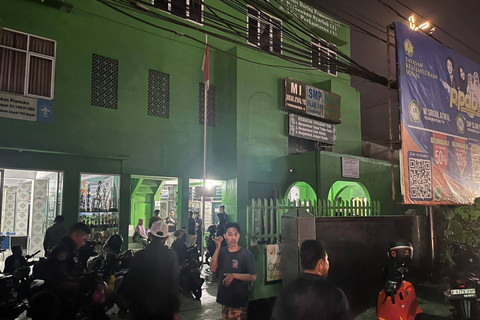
(102, 104)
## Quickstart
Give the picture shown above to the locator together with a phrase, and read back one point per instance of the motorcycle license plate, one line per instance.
(463, 293)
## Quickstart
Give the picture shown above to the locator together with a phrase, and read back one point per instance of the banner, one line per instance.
(272, 265)
(440, 121)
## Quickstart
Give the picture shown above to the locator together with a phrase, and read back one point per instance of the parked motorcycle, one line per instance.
(397, 299)
(464, 291)
(111, 266)
(190, 275)
(15, 290)
(211, 246)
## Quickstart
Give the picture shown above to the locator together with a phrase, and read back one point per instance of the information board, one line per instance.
(311, 129)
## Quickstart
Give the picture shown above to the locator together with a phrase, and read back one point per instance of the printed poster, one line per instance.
(273, 263)
(440, 121)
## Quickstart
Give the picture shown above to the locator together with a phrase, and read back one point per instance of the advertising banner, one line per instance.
(440, 121)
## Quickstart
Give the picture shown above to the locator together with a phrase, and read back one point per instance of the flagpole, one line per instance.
(206, 65)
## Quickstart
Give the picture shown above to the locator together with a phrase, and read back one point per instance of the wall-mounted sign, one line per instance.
(24, 108)
(272, 271)
(350, 168)
(311, 101)
(312, 17)
(294, 95)
(323, 104)
(311, 129)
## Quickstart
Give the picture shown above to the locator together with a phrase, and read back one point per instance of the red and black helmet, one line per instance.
(401, 250)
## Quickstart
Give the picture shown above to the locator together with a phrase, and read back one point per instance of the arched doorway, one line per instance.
(348, 191)
(300, 192)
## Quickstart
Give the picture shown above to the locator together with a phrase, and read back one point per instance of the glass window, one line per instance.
(324, 57)
(264, 31)
(186, 9)
(27, 63)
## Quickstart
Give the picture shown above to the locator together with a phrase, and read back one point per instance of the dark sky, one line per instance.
(459, 20)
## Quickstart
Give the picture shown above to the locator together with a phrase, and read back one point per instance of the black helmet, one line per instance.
(401, 250)
(113, 243)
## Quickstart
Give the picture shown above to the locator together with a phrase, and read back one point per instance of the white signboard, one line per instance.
(18, 107)
(350, 168)
(23, 108)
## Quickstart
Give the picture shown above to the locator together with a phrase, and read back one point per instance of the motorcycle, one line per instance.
(15, 290)
(211, 246)
(190, 275)
(463, 293)
(111, 266)
(397, 299)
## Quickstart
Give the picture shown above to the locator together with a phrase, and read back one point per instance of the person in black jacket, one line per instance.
(63, 271)
(54, 235)
(15, 261)
(179, 245)
(150, 289)
(191, 229)
(311, 296)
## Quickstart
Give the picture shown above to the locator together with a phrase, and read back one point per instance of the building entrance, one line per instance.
(29, 202)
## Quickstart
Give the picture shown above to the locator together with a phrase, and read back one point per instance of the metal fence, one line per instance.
(264, 216)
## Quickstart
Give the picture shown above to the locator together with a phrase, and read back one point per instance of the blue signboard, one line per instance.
(440, 114)
(315, 102)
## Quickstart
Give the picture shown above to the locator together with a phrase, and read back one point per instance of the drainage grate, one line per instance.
(158, 94)
(104, 82)
(211, 105)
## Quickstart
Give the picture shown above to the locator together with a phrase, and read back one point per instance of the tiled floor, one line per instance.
(207, 307)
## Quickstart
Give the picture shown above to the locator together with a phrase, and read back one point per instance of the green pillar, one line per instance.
(182, 206)
(124, 213)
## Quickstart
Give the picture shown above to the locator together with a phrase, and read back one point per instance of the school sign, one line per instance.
(440, 121)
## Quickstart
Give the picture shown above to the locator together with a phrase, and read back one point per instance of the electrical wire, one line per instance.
(289, 53)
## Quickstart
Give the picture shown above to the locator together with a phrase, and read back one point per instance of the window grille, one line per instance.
(158, 94)
(211, 105)
(264, 31)
(104, 82)
(27, 64)
(324, 57)
(186, 9)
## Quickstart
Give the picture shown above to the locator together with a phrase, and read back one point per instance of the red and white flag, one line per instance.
(205, 66)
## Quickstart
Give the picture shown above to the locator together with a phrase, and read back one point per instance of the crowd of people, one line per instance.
(150, 289)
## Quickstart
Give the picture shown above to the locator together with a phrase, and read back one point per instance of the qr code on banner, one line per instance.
(420, 176)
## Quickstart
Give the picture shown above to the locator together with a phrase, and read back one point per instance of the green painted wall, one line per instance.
(150, 145)
(375, 175)
(249, 143)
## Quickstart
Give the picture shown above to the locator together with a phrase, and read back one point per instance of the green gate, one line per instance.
(264, 216)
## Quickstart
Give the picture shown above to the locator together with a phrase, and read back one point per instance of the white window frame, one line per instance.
(327, 50)
(28, 55)
(258, 18)
(187, 12)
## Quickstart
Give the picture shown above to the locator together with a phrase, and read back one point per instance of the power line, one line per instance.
(296, 55)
